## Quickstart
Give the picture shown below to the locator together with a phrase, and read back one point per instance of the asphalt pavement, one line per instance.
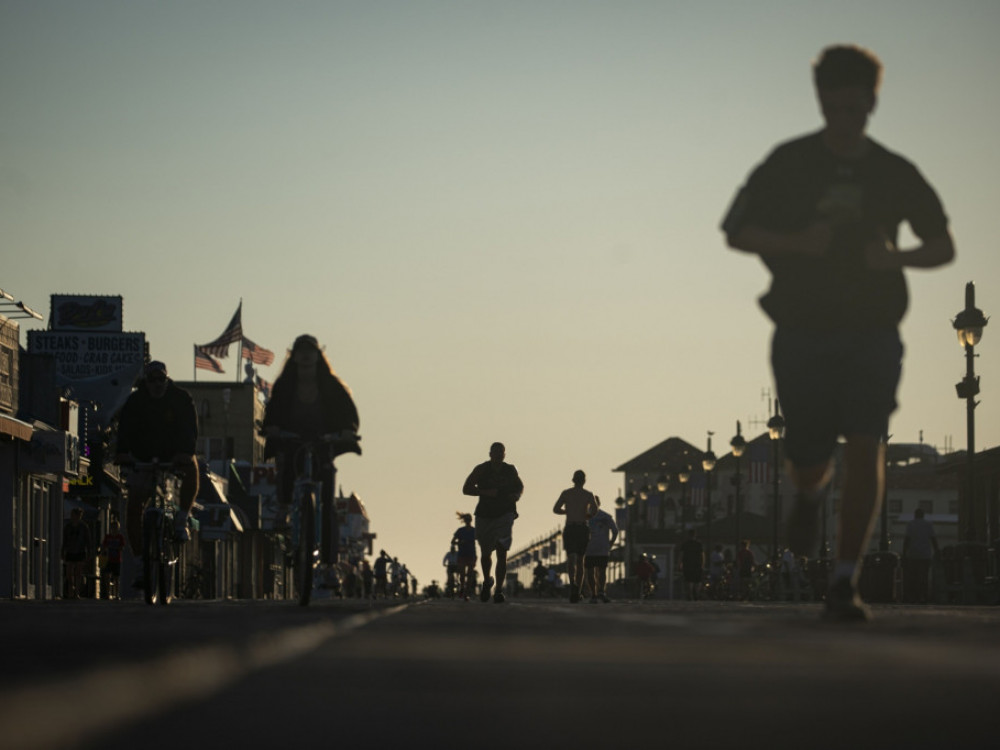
(527, 673)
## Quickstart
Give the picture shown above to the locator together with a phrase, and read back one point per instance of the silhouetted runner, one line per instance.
(823, 212)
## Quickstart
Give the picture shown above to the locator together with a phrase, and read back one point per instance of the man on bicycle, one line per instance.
(158, 421)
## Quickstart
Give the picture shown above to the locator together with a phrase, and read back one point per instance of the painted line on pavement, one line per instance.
(70, 710)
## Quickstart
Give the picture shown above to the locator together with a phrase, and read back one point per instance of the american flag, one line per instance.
(759, 460)
(232, 334)
(256, 354)
(205, 361)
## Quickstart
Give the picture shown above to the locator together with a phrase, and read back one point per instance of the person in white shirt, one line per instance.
(603, 532)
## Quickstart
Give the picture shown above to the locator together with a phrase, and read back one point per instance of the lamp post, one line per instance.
(775, 429)
(662, 485)
(969, 324)
(683, 475)
(738, 445)
(620, 504)
(708, 463)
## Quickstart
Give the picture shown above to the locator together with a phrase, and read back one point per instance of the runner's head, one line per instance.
(497, 452)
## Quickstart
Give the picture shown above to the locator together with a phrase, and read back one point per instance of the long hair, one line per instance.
(464, 517)
(290, 369)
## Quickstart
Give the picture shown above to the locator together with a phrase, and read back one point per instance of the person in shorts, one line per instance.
(498, 487)
(577, 504)
(603, 533)
(823, 213)
(465, 541)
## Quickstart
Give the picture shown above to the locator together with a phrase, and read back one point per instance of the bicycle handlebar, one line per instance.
(346, 441)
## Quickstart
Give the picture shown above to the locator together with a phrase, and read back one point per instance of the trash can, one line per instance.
(878, 577)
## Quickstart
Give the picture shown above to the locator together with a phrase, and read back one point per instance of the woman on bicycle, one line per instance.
(310, 400)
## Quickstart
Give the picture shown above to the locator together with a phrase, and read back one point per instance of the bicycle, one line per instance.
(160, 551)
(306, 518)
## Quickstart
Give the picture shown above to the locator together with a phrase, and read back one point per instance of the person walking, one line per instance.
(920, 547)
(498, 487)
(745, 566)
(76, 551)
(464, 542)
(692, 565)
(577, 504)
(603, 533)
(823, 212)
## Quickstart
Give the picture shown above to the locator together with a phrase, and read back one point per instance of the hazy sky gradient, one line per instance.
(501, 219)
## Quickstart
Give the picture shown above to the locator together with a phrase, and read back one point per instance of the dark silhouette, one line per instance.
(309, 400)
(158, 421)
(577, 504)
(603, 532)
(920, 547)
(823, 213)
(692, 565)
(498, 487)
(464, 539)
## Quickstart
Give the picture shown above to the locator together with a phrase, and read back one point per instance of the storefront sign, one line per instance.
(81, 355)
(86, 313)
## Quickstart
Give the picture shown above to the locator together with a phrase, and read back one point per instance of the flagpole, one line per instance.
(194, 362)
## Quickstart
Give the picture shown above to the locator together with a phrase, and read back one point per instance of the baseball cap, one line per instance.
(155, 367)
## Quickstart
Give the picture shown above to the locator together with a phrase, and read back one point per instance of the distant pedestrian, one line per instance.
(539, 575)
(464, 540)
(367, 580)
(498, 487)
(577, 504)
(76, 552)
(603, 533)
(920, 547)
(745, 566)
(381, 572)
(823, 212)
(645, 573)
(692, 565)
(450, 562)
(111, 547)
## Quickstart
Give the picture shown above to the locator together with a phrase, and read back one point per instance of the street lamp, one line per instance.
(620, 504)
(662, 485)
(738, 445)
(969, 324)
(776, 429)
(708, 463)
(683, 475)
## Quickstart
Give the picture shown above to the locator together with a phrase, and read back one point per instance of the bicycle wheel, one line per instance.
(166, 564)
(307, 541)
(152, 540)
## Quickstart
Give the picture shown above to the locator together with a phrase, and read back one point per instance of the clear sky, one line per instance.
(500, 218)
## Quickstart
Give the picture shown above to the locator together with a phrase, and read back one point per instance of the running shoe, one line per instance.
(604, 598)
(499, 598)
(843, 603)
(484, 595)
(593, 600)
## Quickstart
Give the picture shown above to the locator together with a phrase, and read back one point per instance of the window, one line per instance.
(895, 506)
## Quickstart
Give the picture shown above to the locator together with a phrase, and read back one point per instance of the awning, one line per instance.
(15, 428)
